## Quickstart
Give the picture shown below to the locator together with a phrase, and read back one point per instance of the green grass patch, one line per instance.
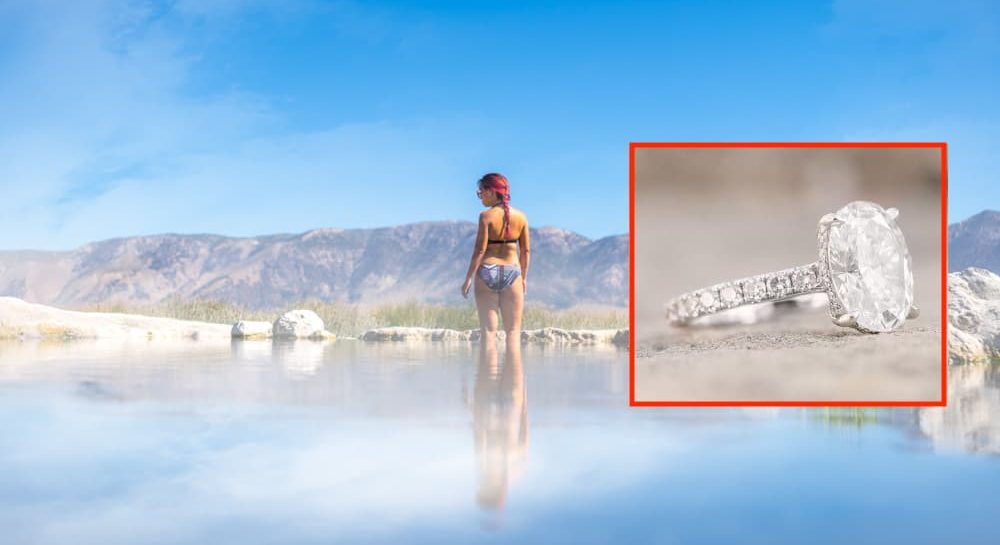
(846, 416)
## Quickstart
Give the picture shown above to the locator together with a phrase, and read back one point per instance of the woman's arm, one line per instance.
(524, 254)
(478, 251)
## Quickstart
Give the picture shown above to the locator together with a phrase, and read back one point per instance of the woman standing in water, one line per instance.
(499, 261)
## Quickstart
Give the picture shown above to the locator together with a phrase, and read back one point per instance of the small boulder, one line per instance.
(475, 335)
(393, 334)
(449, 335)
(547, 335)
(620, 338)
(299, 324)
(246, 329)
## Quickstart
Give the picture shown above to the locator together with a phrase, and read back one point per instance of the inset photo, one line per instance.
(788, 273)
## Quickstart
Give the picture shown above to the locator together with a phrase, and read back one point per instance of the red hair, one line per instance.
(498, 183)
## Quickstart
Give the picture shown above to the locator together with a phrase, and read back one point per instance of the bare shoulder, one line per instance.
(519, 214)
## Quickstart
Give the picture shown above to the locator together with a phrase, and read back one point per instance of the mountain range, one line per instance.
(975, 242)
(425, 262)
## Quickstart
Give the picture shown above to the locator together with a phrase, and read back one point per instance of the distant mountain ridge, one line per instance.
(975, 242)
(422, 261)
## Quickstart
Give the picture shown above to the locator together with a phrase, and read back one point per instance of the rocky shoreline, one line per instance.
(547, 335)
(21, 320)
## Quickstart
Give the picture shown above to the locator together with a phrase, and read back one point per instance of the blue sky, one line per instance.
(245, 117)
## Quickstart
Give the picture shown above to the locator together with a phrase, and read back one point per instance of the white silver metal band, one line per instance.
(762, 288)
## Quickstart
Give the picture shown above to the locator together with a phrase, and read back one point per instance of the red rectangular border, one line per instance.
(943, 146)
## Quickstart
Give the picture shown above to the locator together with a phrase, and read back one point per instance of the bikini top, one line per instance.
(494, 241)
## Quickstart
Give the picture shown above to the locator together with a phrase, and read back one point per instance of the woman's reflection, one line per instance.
(500, 421)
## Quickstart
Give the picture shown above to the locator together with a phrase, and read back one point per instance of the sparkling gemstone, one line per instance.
(706, 300)
(870, 266)
(690, 307)
(779, 285)
(804, 279)
(729, 296)
(755, 290)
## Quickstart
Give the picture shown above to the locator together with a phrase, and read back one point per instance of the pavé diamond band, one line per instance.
(864, 268)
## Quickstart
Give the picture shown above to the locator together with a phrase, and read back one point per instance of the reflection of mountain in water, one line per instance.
(971, 421)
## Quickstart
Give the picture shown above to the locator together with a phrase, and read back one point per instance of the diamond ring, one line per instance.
(864, 268)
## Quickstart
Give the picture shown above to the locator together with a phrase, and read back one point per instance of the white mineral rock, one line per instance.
(245, 329)
(973, 315)
(299, 324)
(22, 320)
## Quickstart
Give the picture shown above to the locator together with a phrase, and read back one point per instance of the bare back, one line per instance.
(504, 253)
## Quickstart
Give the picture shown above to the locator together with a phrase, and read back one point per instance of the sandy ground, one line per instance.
(708, 215)
(799, 356)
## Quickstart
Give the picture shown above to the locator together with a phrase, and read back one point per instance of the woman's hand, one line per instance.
(466, 287)
(524, 285)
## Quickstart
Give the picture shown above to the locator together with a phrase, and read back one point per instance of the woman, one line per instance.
(499, 260)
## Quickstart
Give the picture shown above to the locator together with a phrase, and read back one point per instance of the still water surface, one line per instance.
(349, 442)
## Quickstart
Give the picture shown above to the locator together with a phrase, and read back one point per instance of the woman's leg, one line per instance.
(486, 306)
(511, 309)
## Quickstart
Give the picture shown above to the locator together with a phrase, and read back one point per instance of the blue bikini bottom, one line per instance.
(498, 277)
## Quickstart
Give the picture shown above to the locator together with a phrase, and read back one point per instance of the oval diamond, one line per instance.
(869, 266)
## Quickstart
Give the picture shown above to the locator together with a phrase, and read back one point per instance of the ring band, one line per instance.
(762, 288)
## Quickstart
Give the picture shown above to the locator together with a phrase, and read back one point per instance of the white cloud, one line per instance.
(103, 137)
(284, 183)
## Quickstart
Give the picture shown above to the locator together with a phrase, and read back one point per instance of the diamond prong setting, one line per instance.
(846, 320)
(828, 219)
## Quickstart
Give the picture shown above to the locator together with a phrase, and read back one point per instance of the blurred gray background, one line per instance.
(707, 215)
